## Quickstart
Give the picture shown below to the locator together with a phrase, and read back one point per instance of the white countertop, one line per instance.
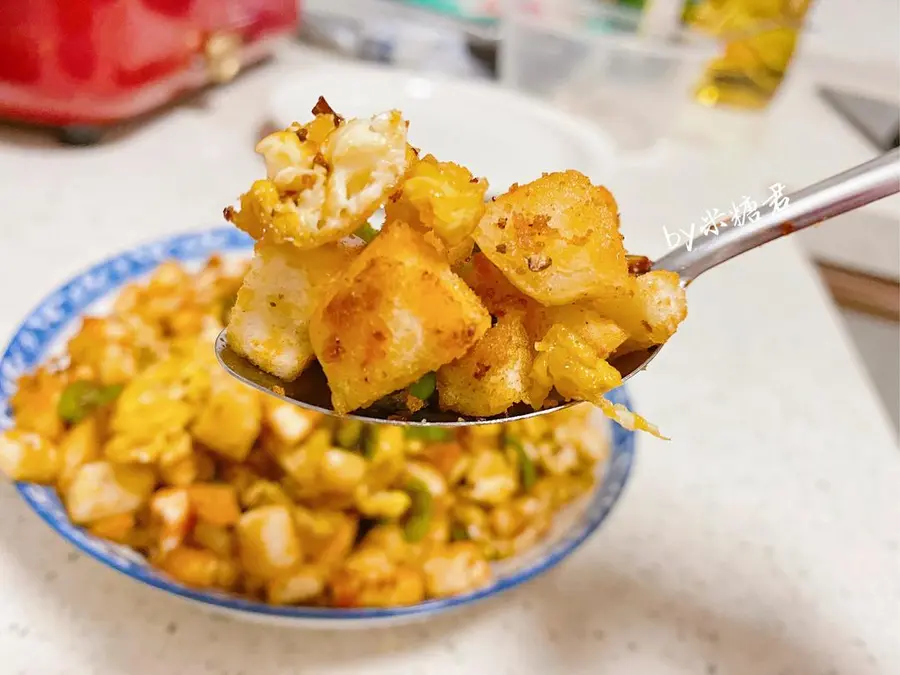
(764, 538)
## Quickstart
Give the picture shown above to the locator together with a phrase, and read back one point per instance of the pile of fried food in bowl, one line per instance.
(468, 304)
(151, 444)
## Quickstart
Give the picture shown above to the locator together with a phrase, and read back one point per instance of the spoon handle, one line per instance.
(833, 196)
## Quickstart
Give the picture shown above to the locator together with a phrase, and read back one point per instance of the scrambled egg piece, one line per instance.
(155, 408)
(269, 323)
(439, 196)
(572, 358)
(571, 354)
(397, 313)
(557, 240)
(324, 179)
(493, 375)
(567, 361)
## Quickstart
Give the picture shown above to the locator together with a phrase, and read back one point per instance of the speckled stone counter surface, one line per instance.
(763, 539)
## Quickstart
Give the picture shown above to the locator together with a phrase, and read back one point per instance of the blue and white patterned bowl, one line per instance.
(44, 332)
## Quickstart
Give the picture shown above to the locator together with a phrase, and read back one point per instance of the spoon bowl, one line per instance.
(311, 391)
(839, 194)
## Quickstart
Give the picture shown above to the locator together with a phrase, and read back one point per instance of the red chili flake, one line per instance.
(501, 224)
(228, 213)
(322, 108)
(302, 134)
(638, 264)
(501, 248)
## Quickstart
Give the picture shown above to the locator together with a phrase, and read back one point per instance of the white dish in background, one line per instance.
(501, 135)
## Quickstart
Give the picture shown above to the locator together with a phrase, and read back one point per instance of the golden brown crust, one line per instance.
(397, 313)
(493, 375)
(557, 239)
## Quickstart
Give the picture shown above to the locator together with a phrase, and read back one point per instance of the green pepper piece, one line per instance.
(349, 433)
(367, 233)
(424, 388)
(418, 519)
(527, 470)
(458, 532)
(431, 434)
(81, 397)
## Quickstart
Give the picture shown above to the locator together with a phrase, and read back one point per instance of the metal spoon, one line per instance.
(839, 194)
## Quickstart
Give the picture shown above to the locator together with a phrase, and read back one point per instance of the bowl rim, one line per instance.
(57, 311)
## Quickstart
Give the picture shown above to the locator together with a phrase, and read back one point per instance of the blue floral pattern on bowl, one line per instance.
(59, 313)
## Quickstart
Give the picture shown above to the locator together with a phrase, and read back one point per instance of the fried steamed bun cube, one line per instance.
(494, 289)
(324, 179)
(396, 313)
(501, 297)
(269, 323)
(557, 240)
(442, 197)
(652, 315)
(493, 375)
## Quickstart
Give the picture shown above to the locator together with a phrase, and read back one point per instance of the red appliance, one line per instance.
(82, 65)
